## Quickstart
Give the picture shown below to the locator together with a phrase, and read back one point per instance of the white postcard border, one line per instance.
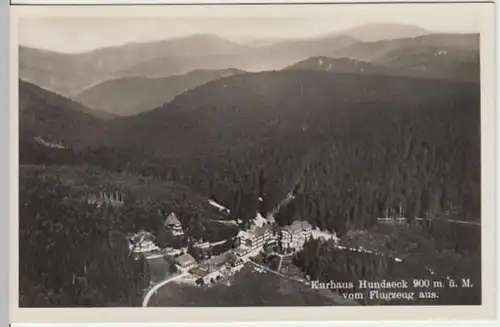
(94, 315)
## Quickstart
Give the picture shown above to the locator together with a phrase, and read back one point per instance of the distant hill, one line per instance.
(304, 48)
(53, 118)
(444, 56)
(428, 63)
(253, 41)
(384, 31)
(339, 65)
(270, 57)
(68, 74)
(132, 95)
(441, 62)
(376, 51)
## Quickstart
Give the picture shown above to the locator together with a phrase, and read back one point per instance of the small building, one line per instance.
(142, 242)
(233, 260)
(173, 224)
(242, 251)
(185, 262)
(219, 262)
(207, 276)
(211, 269)
(200, 272)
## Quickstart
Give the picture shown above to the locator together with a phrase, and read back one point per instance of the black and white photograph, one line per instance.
(329, 157)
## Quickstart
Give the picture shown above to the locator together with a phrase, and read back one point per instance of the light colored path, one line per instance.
(225, 222)
(155, 288)
(279, 267)
(267, 269)
(453, 221)
(156, 256)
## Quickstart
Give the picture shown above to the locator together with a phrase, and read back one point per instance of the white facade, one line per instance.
(145, 246)
(177, 230)
(255, 238)
(142, 242)
(294, 236)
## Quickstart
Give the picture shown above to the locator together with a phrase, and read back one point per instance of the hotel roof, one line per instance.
(260, 231)
(297, 226)
(246, 234)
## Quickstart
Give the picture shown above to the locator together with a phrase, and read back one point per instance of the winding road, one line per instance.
(155, 288)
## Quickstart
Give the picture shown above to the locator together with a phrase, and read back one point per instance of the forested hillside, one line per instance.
(355, 145)
(54, 118)
(73, 253)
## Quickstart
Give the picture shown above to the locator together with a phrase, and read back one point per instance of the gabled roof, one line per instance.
(246, 234)
(297, 226)
(219, 260)
(306, 225)
(293, 228)
(142, 236)
(199, 272)
(172, 220)
(185, 260)
(270, 219)
(260, 231)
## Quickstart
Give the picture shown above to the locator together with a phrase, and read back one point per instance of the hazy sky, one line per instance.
(76, 33)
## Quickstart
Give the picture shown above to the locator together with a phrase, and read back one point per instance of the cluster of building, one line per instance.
(288, 238)
(257, 238)
(144, 242)
(211, 269)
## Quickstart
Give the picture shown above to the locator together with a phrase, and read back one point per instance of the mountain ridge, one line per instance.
(135, 94)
